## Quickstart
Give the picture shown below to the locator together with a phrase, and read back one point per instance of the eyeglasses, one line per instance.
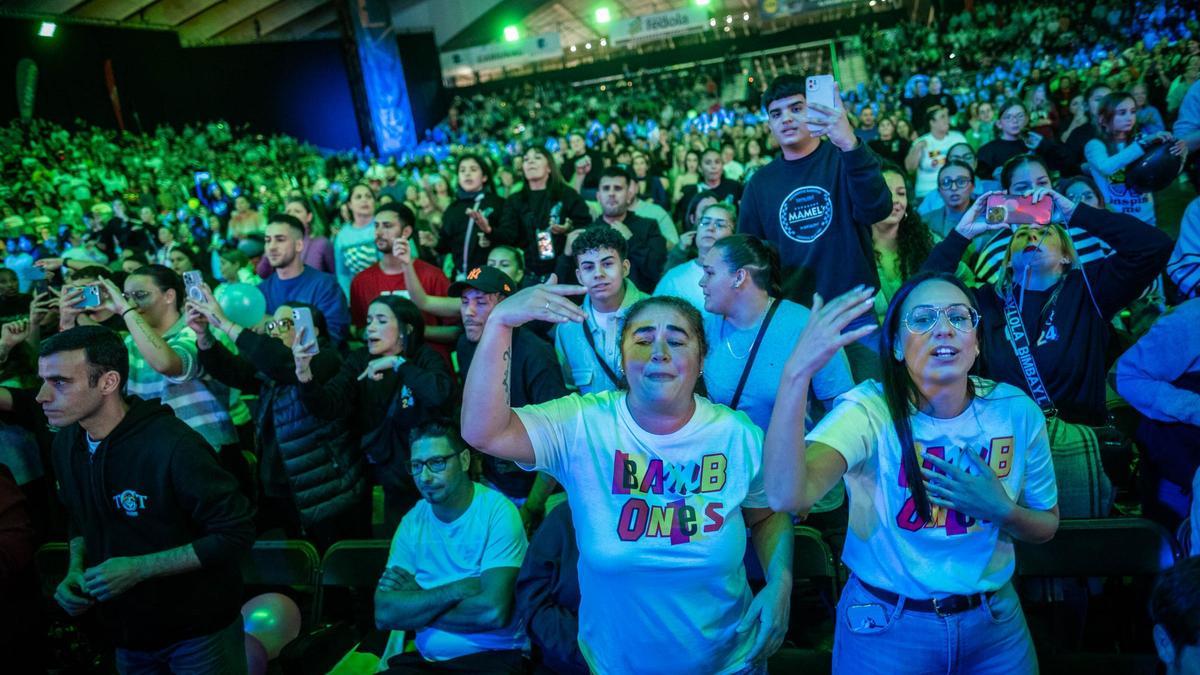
(280, 325)
(136, 296)
(921, 320)
(1013, 117)
(955, 183)
(435, 464)
(714, 224)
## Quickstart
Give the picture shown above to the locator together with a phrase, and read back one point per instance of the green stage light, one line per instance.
(47, 29)
(702, 3)
(603, 15)
(511, 34)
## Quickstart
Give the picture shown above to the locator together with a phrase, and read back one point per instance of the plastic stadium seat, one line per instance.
(1100, 547)
(288, 562)
(353, 563)
(51, 562)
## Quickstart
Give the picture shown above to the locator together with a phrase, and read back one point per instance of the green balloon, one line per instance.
(244, 304)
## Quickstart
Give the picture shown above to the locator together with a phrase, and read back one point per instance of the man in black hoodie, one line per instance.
(157, 526)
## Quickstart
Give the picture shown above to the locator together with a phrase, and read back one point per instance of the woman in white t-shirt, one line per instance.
(662, 484)
(943, 471)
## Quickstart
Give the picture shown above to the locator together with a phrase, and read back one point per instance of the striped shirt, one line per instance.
(199, 401)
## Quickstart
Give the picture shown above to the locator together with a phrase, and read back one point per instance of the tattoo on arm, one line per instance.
(507, 369)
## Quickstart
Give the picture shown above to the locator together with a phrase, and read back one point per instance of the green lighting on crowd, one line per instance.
(511, 34)
(47, 29)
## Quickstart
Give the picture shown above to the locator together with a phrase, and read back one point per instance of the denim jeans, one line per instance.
(990, 639)
(219, 653)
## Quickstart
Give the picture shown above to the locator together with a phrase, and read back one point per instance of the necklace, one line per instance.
(729, 343)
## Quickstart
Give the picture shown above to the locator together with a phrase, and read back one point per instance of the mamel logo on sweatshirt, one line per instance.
(806, 213)
(131, 502)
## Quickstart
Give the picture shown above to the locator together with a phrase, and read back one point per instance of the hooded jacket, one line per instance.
(153, 484)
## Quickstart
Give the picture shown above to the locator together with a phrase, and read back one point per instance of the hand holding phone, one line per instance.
(1018, 210)
(302, 324)
(819, 90)
(89, 297)
(192, 280)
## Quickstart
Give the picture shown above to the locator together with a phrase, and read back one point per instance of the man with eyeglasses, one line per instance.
(683, 281)
(452, 567)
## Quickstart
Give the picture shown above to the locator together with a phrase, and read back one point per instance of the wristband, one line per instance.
(399, 361)
(131, 309)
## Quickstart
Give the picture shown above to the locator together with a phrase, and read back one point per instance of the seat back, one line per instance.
(50, 561)
(352, 563)
(1100, 547)
(287, 562)
(812, 559)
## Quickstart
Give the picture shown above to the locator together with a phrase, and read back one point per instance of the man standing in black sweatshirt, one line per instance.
(157, 526)
(817, 203)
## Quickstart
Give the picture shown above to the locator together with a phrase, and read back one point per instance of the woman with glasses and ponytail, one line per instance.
(1047, 322)
(943, 471)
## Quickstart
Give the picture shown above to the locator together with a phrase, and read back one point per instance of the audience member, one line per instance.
(452, 566)
(948, 509)
(589, 351)
(192, 524)
(683, 281)
(646, 542)
(534, 378)
(310, 475)
(547, 595)
(293, 281)
(815, 203)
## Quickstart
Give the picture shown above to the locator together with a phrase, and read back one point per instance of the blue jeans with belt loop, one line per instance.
(989, 639)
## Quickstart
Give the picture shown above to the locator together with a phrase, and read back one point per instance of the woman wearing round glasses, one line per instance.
(943, 471)
(383, 391)
(310, 471)
(1047, 317)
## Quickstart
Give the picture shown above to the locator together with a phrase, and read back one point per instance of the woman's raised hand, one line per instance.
(544, 302)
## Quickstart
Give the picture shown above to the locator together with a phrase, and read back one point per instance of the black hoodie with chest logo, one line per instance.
(154, 484)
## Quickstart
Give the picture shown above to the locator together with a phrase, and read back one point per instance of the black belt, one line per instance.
(951, 604)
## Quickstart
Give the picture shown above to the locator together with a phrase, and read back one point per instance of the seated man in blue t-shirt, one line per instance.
(452, 567)
(292, 281)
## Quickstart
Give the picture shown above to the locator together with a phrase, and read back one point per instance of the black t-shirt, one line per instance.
(535, 377)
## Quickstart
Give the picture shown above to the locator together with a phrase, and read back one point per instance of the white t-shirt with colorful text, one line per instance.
(659, 525)
(888, 545)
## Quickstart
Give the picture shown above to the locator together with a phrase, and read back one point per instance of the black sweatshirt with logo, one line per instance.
(154, 484)
(818, 211)
(1069, 337)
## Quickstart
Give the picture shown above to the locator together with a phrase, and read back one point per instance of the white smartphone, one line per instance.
(819, 90)
(302, 318)
(191, 284)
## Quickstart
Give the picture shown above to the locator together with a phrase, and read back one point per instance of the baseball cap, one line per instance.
(487, 279)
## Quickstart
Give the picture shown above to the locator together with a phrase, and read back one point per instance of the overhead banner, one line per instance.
(387, 100)
(662, 24)
(773, 9)
(504, 54)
